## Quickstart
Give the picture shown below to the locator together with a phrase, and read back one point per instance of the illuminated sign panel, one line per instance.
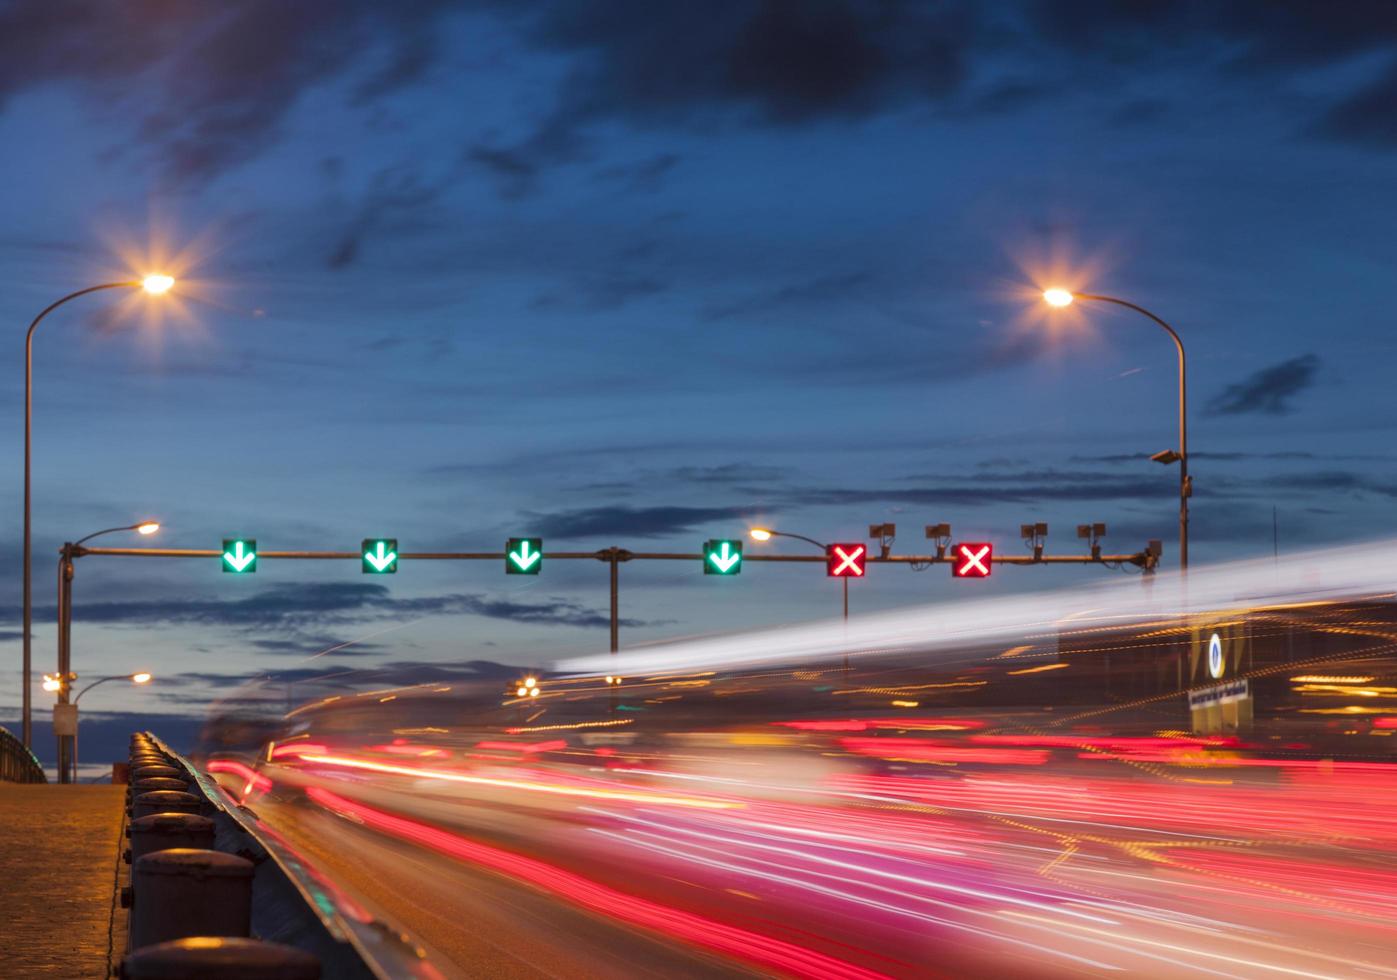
(845, 560)
(1216, 665)
(380, 556)
(972, 560)
(239, 555)
(523, 556)
(722, 557)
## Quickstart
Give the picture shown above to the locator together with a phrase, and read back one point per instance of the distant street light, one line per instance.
(1063, 297)
(67, 553)
(155, 285)
(141, 677)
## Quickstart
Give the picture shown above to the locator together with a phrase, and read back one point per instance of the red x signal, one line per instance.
(972, 560)
(845, 560)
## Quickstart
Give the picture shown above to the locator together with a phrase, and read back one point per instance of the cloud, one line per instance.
(1027, 489)
(600, 294)
(306, 646)
(646, 176)
(397, 196)
(726, 474)
(1366, 117)
(225, 75)
(819, 291)
(785, 61)
(631, 522)
(294, 607)
(211, 85)
(512, 168)
(1226, 456)
(1268, 391)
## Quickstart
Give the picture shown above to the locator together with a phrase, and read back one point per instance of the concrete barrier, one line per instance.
(185, 891)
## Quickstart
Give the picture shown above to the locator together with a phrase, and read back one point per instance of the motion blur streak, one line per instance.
(728, 940)
(1317, 576)
(460, 777)
(253, 779)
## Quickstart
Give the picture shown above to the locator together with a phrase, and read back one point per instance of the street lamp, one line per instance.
(766, 534)
(1063, 297)
(138, 678)
(155, 285)
(67, 553)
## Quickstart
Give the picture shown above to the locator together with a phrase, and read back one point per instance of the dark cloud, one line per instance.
(1366, 117)
(1237, 456)
(392, 672)
(310, 645)
(296, 607)
(227, 74)
(631, 522)
(819, 291)
(1268, 391)
(647, 175)
(397, 197)
(600, 294)
(785, 61)
(513, 170)
(1010, 488)
(726, 474)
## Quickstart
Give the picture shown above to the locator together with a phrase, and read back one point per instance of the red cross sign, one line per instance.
(845, 560)
(972, 560)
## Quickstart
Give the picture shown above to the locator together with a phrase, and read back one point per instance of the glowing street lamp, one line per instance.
(156, 284)
(766, 534)
(67, 554)
(1062, 297)
(138, 678)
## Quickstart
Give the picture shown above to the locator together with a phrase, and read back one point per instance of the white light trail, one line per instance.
(1316, 576)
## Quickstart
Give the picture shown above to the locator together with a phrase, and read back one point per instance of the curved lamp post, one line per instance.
(1063, 297)
(140, 677)
(69, 551)
(156, 285)
(766, 534)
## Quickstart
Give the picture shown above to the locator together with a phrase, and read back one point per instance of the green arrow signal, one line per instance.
(524, 556)
(722, 557)
(240, 555)
(380, 556)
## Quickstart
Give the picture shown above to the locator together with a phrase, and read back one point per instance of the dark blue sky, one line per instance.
(642, 274)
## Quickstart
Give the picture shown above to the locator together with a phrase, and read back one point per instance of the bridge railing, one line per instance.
(17, 764)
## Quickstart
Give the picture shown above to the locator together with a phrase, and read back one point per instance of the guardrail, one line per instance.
(291, 904)
(17, 764)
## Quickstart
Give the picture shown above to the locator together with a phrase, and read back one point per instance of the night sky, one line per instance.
(643, 274)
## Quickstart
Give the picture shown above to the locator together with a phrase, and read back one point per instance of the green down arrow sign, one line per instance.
(239, 555)
(380, 556)
(722, 557)
(523, 556)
